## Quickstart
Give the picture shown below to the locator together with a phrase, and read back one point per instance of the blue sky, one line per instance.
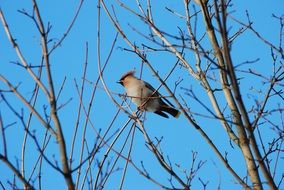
(179, 137)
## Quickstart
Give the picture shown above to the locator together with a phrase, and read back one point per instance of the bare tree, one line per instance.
(235, 97)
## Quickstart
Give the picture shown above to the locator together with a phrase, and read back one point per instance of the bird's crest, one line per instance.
(129, 73)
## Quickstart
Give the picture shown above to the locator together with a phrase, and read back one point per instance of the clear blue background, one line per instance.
(179, 137)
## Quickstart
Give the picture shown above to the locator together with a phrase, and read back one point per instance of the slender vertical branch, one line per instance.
(78, 119)
(52, 101)
(128, 157)
(3, 136)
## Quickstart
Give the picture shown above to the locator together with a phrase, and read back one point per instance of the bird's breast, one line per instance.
(139, 94)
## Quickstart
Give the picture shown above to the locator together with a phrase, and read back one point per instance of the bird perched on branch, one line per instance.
(146, 97)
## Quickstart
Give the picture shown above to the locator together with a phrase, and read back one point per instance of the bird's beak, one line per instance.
(120, 82)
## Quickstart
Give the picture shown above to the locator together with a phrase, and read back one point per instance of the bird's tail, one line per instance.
(174, 112)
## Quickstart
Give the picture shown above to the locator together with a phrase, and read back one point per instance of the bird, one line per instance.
(146, 97)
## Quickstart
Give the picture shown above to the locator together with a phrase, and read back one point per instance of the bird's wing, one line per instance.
(157, 93)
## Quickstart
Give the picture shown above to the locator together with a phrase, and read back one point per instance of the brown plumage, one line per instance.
(146, 97)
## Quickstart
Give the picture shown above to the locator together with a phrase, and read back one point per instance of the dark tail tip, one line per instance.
(174, 112)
